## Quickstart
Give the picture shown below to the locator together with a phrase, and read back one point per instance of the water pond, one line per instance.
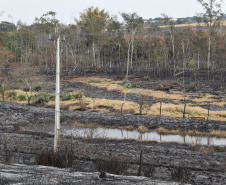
(149, 136)
(111, 133)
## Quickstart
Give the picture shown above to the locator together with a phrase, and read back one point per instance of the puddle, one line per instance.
(93, 133)
(150, 136)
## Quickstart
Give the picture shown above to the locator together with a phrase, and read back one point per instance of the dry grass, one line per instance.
(143, 129)
(107, 105)
(68, 105)
(212, 133)
(196, 133)
(163, 131)
(193, 144)
(107, 83)
(20, 129)
(130, 128)
(185, 25)
(19, 92)
(217, 133)
(175, 96)
(223, 23)
(171, 110)
(207, 150)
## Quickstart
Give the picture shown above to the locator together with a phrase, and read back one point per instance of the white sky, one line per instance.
(27, 10)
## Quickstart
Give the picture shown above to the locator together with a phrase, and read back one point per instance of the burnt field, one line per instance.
(26, 140)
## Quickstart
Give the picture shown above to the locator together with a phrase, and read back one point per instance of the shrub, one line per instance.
(119, 77)
(179, 89)
(126, 83)
(191, 88)
(82, 104)
(77, 96)
(163, 87)
(67, 97)
(62, 159)
(51, 97)
(134, 85)
(129, 85)
(22, 97)
(149, 171)
(26, 89)
(112, 165)
(4, 180)
(180, 174)
(40, 98)
(38, 88)
(12, 95)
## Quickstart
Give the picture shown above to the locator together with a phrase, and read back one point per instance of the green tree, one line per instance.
(154, 29)
(93, 22)
(7, 26)
(133, 24)
(47, 23)
(26, 75)
(26, 43)
(114, 25)
(45, 50)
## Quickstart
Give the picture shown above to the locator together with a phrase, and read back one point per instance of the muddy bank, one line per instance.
(20, 114)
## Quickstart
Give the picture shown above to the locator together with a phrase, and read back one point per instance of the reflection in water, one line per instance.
(125, 134)
(149, 136)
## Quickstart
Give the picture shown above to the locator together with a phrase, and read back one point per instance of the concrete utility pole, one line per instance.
(57, 100)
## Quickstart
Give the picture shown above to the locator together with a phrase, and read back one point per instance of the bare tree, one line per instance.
(212, 19)
(127, 73)
(171, 28)
(26, 75)
(142, 103)
(133, 24)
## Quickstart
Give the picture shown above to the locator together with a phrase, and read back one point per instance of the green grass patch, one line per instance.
(66, 97)
(22, 97)
(94, 81)
(12, 95)
(51, 97)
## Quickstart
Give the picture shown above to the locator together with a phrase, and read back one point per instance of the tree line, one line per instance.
(98, 41)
